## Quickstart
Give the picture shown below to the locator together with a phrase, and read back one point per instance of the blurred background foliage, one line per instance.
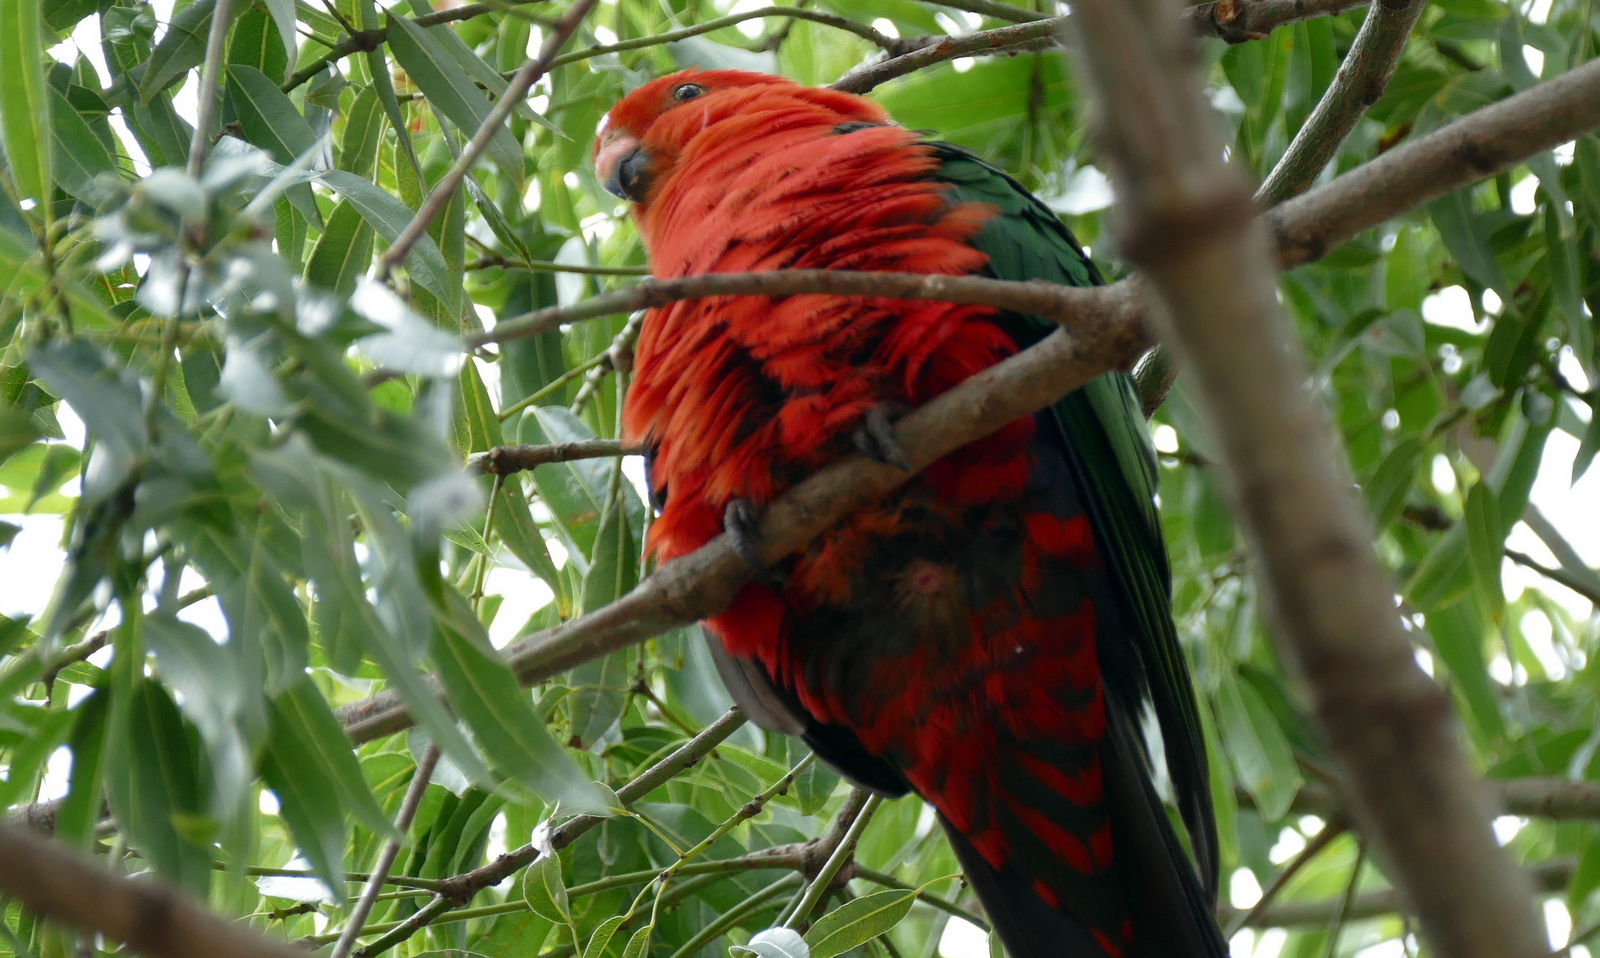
(233, 495)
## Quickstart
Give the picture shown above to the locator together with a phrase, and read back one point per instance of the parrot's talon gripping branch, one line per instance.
(743, 525)
(876, 440)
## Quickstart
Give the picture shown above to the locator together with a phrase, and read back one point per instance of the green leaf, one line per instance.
(1459, 636)
(1260, 752)
(1589, 446)
(388, 216)
(302, 720)
(250, 586)
(814, 786)
(1391, 482)
(1587, 877)
(514, 935)
(544, 891)
(477, 424)
(216, 696)
(1486, 545)
(180, 50)
(342, 252)
(485, 693)
(269, 120)
(80, 810)
(153, 780)
(596, 948)
(1561, 255)
(639, 943)
(1464, 235)
(17, 432)
(106, 397)
(309, 805)
(283, 14)
(255, 42)
(363, 132)
(448, 87)
(856, 922)
(49, 729)
(24, 103)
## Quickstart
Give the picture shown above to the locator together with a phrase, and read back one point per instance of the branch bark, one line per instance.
(57, 883)
(507, 460)
(1187, 220)
(1358, 84)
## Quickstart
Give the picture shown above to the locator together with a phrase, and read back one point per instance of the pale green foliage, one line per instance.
(259, 473)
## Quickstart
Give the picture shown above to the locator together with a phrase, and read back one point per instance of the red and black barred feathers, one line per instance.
(990, 635)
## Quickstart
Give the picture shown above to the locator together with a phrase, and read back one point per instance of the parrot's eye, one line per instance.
(687, 91)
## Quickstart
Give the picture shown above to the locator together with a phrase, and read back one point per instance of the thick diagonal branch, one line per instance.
(1188, 222)
(56, 882)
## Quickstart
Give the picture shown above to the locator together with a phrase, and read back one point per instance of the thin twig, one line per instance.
(1062, 303)
(362, 41)
(1358, 84)
(876, 38)
(1560, 576)
(506, 460)
(801, 909)
(1313, 848)
(1550, 877)
(516, 91)
(1034, 35)
(460, 889)
(1349, 899)
(495, 261)
(1232, 20)
(391, 850)
(1237, 21)
(989, 8)
(206, 94)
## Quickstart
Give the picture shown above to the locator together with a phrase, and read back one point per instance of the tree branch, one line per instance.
(1473, 148)
(880, 40)
(1237, 21)
(506, 460)
(1549, 877)
(57, 883)
(361, 41)
(1358, 84)
(516, 92)
(391, 850)
(1064, 304)
(1187, 220)
(1232, 20)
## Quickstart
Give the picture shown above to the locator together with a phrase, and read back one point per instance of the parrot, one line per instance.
(996, 635)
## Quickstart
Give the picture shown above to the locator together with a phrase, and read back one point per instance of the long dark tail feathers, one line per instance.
(1027, 925)
(1166, 905)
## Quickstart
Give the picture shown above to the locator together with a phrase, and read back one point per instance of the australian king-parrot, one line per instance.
(993, 635)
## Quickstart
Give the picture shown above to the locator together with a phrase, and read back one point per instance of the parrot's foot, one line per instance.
(743, 524)
(876, 439)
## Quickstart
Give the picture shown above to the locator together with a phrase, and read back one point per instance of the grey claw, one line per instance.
(743, 523)
(876, 439)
